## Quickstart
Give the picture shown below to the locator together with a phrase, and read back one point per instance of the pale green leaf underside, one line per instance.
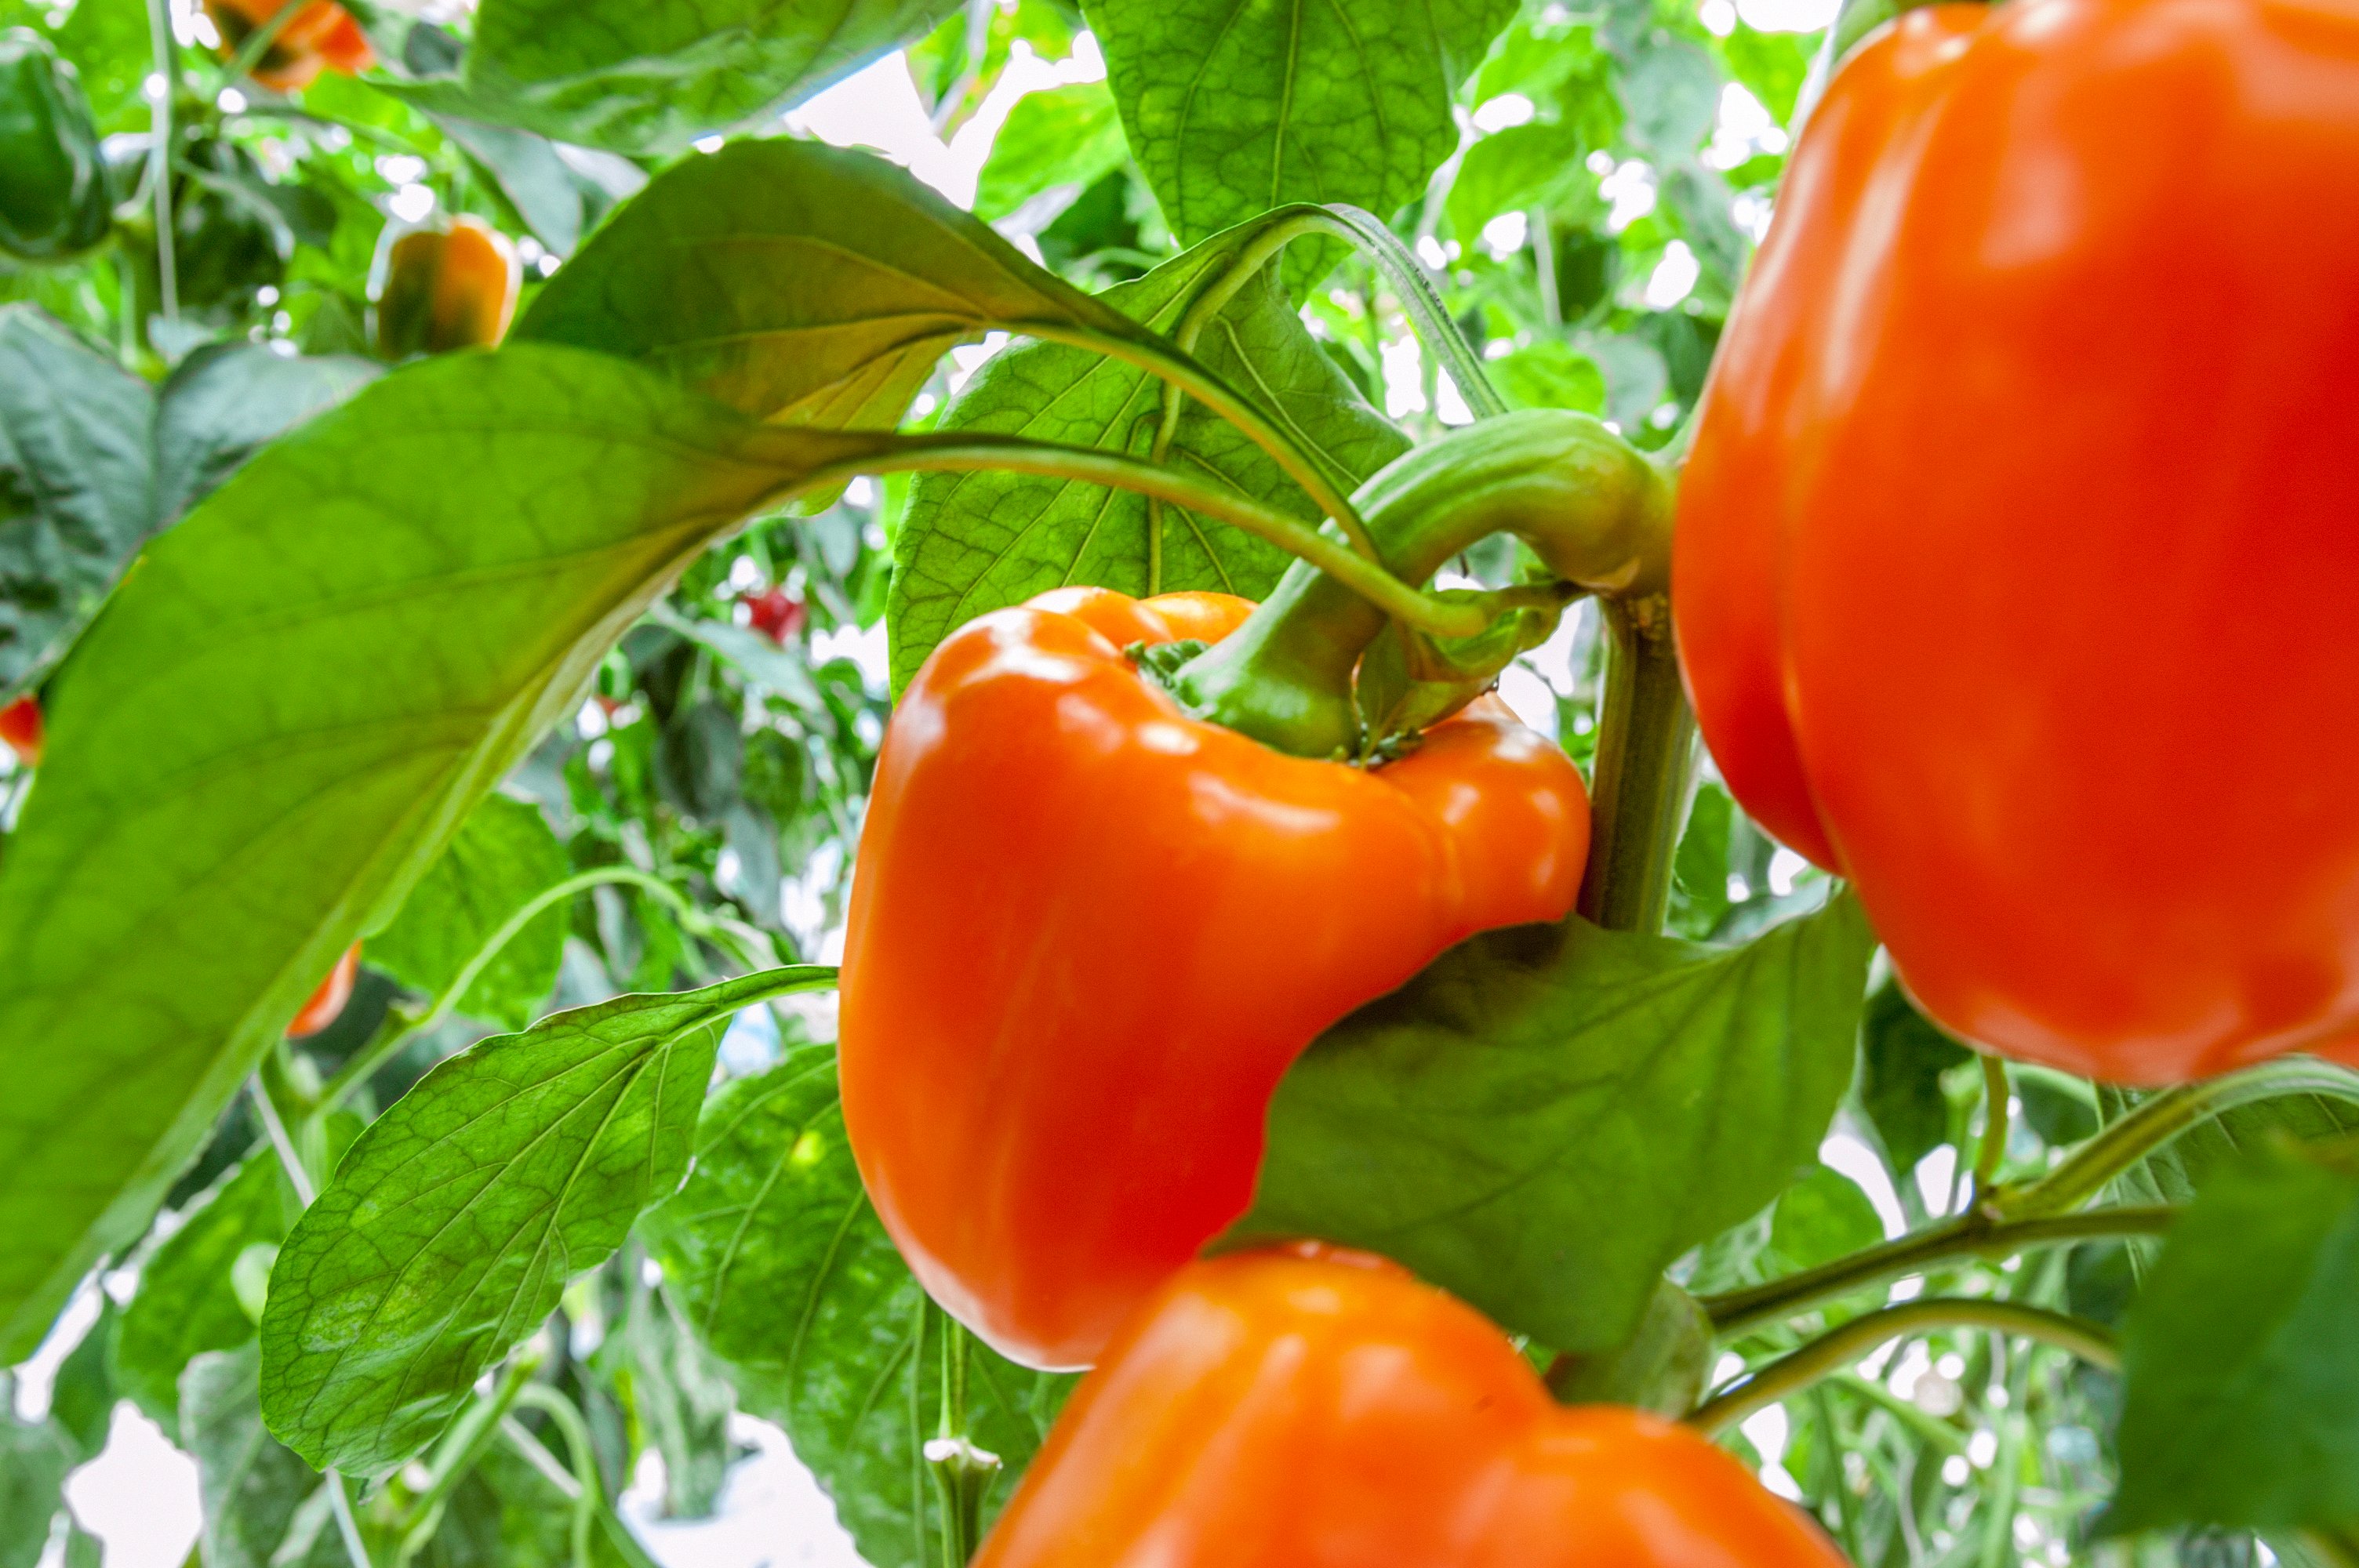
(284, 714)
(1546, 1117)
(452, 1228)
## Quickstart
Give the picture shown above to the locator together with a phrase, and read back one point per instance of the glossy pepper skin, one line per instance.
(2015, 554)
(54, 197)
(1313, 1408)
(451, 287)
(329, 1000)
(322, 35)
(1088, 935)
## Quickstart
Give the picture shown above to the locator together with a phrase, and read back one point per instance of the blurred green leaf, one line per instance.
(1548, 374)
(225, 403)
(1511, 169)
(34, 1462)
(2240, 1361)
(83, 1395)
(250, 1483)
(1488, 1123)
(1062, 136)
(452, 1228)
(1900, 1078)
(785, 1270)
(187, 1303)
(503, 856)
(1699, 867)
(1821, 1217)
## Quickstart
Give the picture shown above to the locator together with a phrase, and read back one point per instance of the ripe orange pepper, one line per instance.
(321, 36)
(2014, 557)
(449, 287)
(1088, 935)
(21, 729)
(329, 1000)
(1314, 1407)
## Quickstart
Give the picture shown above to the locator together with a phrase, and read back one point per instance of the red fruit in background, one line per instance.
(330, 999)
(777, 614)
(20, 727)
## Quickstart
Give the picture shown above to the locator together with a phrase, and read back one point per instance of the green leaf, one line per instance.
(250, 1483)
(972, 543)
(1700, 869)
(81, 1399)
(679, 1396)
(503, 855)
(1234, 108)
(785, 1272)
(75, 492)
(226, 401)
(452, 1228)
(1549, 373)
(801, 283)
(1821, 1217)
(1064, 136)
(284, 716)
(1903, 1056)
(636, 78)
(1517, 168)
(1493, 1123)
(187, 1303)
(2240, 1361)
(34, 1462)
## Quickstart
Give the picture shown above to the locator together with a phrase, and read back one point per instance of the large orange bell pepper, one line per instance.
(1088, 935)
(1321, 1409)
(448, 288)
(320, 35)
(2016, 557)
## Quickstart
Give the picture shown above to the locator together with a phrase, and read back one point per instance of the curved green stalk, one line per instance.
(1975, 1234)
(1839, 1346)
(1996, 1099)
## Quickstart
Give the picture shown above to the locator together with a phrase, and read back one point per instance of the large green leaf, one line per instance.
(636, 78)
(226, 401)
(2240, 1359)
(186, 1304)
(251, 1483)
(1234, 107)
(1547, 1115)
(284, 714)
(975, 542)
(786, 1272)
(501, 858)
(452, 1228)
(798, 282)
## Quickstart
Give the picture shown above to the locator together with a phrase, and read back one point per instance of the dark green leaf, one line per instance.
(187, 1303)
(284, 716)
(34, 1462)
(797, 282)
(2240, 1361)
(452, 1228)
(250, 1483)
(1234, 108)
(81, 1400)
(700, 761)
(1546, 1117)
(785, 1270)
(1065, 135)
(1904, 1057)
(1700, 869)
(976, 542)
(75, 493)
(639, 78)
(503, 855)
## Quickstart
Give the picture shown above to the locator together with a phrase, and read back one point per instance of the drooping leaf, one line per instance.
(1903, 1057)
(452, 1228)
(187, 1303)
(1547, 1115)
(641, 79)
(285, 714)
(785, 1270)
(1234, 107)
(250, 1483)
(1064, 136)
(2240, 1358)
(503, 856)
(797, 282)
(76, 495)
(975, 542)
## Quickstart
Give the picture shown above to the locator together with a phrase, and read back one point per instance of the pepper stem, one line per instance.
(1646, 766)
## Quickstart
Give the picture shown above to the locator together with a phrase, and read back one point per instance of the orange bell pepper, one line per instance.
(322, 35)
(449, 287)
(1089, 934)
(1314, 1407)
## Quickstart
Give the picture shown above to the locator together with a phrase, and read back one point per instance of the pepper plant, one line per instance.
(494, 491)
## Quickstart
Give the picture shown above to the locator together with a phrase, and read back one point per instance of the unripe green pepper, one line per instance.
(54, 200)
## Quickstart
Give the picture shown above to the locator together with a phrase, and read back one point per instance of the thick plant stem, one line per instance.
(1839, 1348)
(1996, 1098)
(1646, 761)
(1971, 1234)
